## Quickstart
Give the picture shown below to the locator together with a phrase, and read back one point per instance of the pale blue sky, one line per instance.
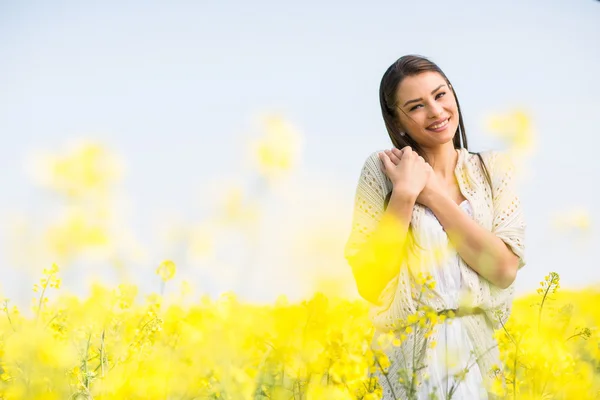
(173, 87)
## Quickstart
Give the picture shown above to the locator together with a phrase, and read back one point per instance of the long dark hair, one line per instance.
(410, 65)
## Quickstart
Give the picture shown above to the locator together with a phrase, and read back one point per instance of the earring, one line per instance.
(402, 133)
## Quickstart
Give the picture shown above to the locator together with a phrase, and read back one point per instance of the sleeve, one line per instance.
(368, 206)
(508, 222)
(394, 302)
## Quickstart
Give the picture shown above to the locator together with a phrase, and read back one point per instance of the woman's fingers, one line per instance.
(385, 160)
(393, 157)
(397, 152)
(409, 153)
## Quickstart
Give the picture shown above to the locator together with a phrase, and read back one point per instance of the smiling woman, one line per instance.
(437, 231)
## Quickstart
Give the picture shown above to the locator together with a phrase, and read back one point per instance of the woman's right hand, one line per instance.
(406, 169)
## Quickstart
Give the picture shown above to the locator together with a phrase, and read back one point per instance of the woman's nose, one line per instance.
(435, 110)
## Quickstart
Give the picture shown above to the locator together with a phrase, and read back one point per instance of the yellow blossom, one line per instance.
(166, 270)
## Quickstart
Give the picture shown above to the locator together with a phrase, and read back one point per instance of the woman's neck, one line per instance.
(443, 160)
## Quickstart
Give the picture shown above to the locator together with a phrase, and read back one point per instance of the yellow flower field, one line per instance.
(111, 345)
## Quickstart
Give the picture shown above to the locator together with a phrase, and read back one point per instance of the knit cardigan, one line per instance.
(498, 210)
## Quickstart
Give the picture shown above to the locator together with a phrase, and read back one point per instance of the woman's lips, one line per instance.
(441, 128)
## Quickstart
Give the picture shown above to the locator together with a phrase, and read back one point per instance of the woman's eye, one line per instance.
(436, 97)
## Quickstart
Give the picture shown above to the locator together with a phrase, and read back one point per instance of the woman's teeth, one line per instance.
(440, 125)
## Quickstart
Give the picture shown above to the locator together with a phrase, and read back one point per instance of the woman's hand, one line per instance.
(407, 171)
(432, 184)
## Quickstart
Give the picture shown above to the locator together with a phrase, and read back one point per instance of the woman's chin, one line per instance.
(443, 137)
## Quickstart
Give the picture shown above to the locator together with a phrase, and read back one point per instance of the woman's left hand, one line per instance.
(433, 186)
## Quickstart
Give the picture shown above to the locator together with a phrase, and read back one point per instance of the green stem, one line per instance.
(542, 306)
(386, 378)
(102, 354)
(575, 335)
(37, 315)
(85, 363)
(515, 372)
(8, 315)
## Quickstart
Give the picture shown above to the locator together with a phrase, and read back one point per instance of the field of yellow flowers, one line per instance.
(119, 343)
(110, 346)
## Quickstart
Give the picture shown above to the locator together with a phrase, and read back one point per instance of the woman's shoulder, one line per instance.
(486, 154)
(373, 170)
(373, 163)
(493, 159)
(374, 156)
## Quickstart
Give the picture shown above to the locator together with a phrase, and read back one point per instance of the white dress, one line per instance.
(453, 350)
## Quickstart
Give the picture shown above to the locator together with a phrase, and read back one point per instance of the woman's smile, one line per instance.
(439, 127)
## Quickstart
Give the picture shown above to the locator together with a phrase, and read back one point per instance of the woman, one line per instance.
(429, 207)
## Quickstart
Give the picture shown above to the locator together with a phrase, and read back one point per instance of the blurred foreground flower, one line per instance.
(75, 233)
(166, 270)
(86, 223)
(200, 242)
(577, 219)
(279, 149)
(515, 128)
(236, 209)
(87, 167)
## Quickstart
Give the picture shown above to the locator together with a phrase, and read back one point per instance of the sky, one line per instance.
(174, 88)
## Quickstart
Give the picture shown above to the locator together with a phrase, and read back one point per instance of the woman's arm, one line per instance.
(481, 249)
(495, 255)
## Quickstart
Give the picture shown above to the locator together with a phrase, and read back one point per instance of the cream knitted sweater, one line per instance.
(501, 215)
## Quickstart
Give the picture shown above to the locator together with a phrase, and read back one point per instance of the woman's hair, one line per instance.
(405, 66)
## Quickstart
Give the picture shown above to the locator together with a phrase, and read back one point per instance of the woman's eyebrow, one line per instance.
(420, 98)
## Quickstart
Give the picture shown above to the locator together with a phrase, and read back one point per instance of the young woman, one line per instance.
(429, 207)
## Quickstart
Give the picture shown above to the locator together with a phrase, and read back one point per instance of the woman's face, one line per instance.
(427, 109)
